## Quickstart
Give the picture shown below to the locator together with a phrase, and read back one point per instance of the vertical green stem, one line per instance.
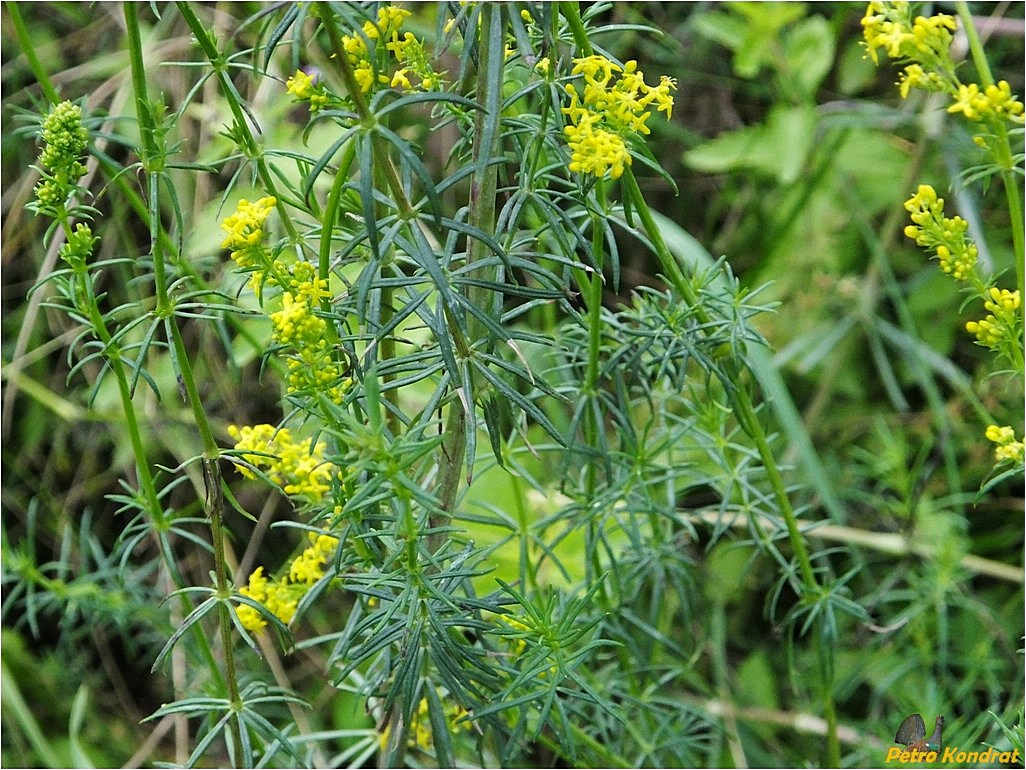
(28, 48)
(153, 162)
(593, 427)
(975, 45)
(248, 142)
(744, 411)
(1001, 145)
(483, 190)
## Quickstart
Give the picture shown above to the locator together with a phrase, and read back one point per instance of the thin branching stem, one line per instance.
(744, 410)
(153, 163)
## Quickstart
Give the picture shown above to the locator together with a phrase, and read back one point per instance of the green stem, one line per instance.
(249, 145)
(28, 47)
(138, 69)
(592, 284)
(1001, 146)
(153, 162)
(975, 46)
(481, 215)
(1015, 213)
(745, 413)
(572, 13)
(89, 307)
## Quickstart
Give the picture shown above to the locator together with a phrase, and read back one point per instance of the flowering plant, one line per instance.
(924, 43)
(407, 432)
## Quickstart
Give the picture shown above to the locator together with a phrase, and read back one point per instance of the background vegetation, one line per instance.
(790, 154)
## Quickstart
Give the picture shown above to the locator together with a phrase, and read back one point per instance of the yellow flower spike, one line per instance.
(956, 253)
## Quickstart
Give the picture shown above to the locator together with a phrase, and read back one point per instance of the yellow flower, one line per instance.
(1008, 449)
(1002, 301)
(305, 88)
(914, 76)
(926, 39)
(404, 48)
(257, 589)
(945, 235)
(282, 598)
(596, 151)
(245, 229)
(999, 326)
(309, 566)
(390, 19)
(614, 105)
(295, 324)
(995, 101)
(279, 598)
(300, 85)
(296, 466)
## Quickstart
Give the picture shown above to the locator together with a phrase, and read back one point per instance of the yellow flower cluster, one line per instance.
(298, 467)
(914, 76)
(890, 26)
(945, 235)
(420, 725)
(407, 51)
(306, 88)
(282, 597)
(312, 366)
(245, 228)
(924, 42)
(1001, 330)
(1008, 449)
(994, 100)
(614, 105)
(1001, 324)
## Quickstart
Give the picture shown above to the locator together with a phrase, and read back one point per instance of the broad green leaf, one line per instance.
(779, 147)
(809, 50)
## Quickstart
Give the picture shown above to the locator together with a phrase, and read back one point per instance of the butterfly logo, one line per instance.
(912, 733)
